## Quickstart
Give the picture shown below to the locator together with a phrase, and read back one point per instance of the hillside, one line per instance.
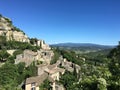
(82, 47)
(9, 32)
(19, 56)
(30, 64)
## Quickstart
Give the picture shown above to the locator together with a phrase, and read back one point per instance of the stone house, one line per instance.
(69, 66)
(43, 45)
(45, 55)
(51, 72)
(33, 83)
(29, 56)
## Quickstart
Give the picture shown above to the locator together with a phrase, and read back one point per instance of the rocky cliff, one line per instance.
(8, 30)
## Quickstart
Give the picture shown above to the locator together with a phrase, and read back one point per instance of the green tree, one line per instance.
(11, 60)
(68, 79)
(31, 70)
(2, 41)
(56, 56)
(114, 67)
(3, 55)
(8, 75)
(21, 72)
(102, 84)
(46, 85)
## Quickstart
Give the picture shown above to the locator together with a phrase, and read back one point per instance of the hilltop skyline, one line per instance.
(60, 21)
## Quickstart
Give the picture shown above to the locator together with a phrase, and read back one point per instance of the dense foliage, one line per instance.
(46, 85)
(12, 75)
(56, 56)
(16, 45)
(97, 72)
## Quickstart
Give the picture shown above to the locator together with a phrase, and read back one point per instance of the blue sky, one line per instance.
(58, 21)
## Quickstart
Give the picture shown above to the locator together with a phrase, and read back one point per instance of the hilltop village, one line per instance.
(41, 56)
(31, 64)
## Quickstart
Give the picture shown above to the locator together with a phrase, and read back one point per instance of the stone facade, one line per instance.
(45, 55)
(29, 56)
(42, 44)
(33, 83)
(69, 66)
(51, 72)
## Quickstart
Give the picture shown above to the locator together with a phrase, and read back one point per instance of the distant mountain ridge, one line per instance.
(81, 45)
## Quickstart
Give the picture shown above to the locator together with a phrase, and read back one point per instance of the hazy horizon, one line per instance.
(81, 43)
(61, 21)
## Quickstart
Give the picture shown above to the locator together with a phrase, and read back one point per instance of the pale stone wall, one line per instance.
(28, 87)
(28, 57)
(41, 70)
(55, 76)
(37, 88)
(59, 86)
(43, 45)
(2, 33)
(11, 51)
(45, 56)
(53, 86)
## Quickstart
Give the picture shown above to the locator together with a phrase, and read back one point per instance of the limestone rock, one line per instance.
(11, 33)
(8, 30)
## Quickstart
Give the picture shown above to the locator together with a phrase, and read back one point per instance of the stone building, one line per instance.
(45, 55)
(42, 44)
(29, 56)
(69, 66)
(33, 83)
(50, 72)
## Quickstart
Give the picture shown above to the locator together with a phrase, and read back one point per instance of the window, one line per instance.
(33, 87)
(33, 84)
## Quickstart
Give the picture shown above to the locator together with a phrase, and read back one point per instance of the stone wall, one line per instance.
(29, 56)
